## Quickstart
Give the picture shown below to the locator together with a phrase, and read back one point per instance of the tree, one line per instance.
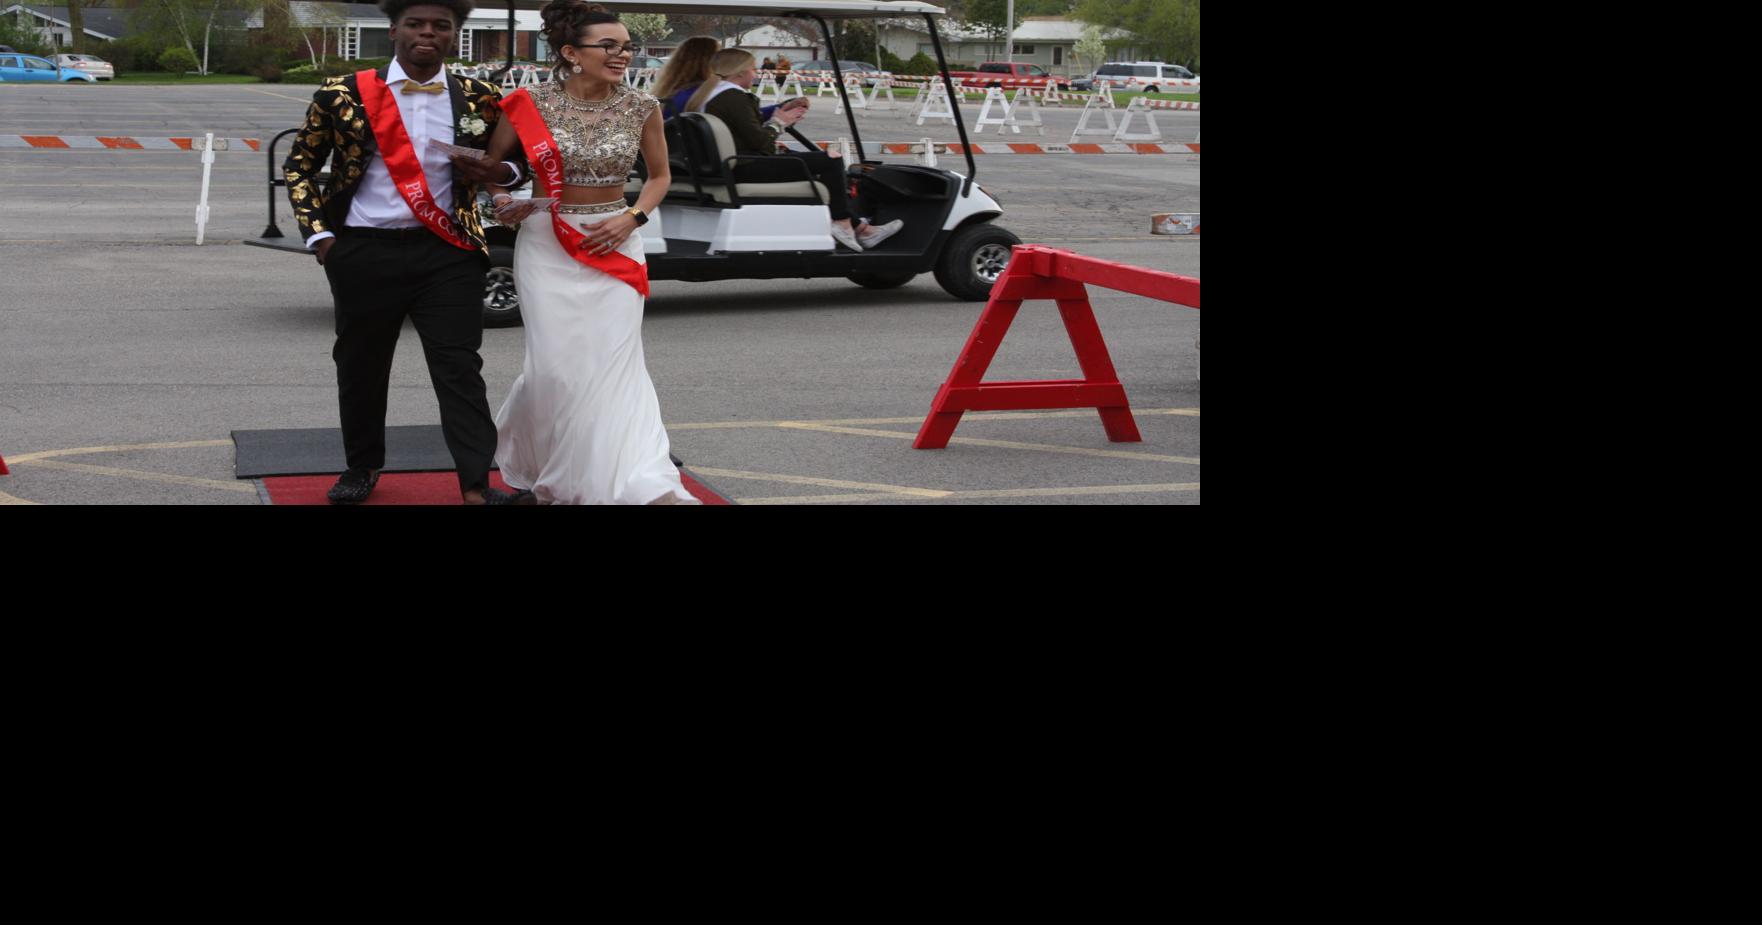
(1169, 29)
(185, 20)
(76, 22)
(21, 34)
(724, 29)
(1091, 51)
(281, 27)
(646, 27)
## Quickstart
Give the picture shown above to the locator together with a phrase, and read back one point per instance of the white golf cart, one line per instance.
(718, 223)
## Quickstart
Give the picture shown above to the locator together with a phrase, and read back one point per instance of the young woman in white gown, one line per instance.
(581, 424)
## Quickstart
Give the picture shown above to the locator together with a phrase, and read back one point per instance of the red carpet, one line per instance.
(418, 488)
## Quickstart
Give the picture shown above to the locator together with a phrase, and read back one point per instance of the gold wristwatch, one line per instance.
(636, 213)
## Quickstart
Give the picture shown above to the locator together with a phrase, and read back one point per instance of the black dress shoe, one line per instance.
(354, 486)
(498, 496)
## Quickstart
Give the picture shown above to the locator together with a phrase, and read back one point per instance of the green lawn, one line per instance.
(150, 78)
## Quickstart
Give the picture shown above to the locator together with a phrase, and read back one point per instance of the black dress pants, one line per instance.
(379, 278)
(829, 171)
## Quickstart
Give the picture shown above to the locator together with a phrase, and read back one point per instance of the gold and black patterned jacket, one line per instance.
(336, 127)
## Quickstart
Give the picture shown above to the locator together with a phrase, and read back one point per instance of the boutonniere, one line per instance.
(472, 125)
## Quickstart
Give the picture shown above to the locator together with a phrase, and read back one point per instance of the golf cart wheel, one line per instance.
(882, 280)
(501, 303)
(974, 258)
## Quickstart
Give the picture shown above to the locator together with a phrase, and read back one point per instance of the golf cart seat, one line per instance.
(708, 169)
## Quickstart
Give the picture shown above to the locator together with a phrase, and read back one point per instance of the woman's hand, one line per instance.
(789, 116)
(607, 236)
(513, 211)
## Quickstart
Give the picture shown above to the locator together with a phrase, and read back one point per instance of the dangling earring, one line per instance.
(577, 67)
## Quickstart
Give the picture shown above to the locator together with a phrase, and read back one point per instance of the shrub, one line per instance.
(177, 60)
(135, 53)
(920, 65)
(268, 73)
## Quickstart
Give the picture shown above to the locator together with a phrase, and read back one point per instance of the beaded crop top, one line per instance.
(599, 140)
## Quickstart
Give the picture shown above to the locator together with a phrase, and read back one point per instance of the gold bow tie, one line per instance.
(411, 86)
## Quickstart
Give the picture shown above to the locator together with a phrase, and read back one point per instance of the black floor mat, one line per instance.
(319, 451)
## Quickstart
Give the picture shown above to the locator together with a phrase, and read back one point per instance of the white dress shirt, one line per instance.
(377, 203)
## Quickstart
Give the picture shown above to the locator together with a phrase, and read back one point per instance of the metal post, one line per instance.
(960, 125)
(838, 77)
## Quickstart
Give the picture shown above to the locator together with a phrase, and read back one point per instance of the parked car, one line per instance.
(90, 64)
(1151, 74)
(16, 68)
(637, 62)
(996, 73)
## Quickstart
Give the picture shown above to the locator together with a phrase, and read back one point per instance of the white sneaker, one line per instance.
(872, 235)
(845, 236)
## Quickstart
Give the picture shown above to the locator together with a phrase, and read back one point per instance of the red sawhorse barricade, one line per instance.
(1037, 272)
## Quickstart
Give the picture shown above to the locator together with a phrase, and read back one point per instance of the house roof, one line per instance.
(1058, 29)
(98, 22)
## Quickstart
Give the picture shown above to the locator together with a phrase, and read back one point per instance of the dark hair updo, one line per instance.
(566, 21)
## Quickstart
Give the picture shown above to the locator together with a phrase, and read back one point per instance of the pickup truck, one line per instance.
(1006, 74)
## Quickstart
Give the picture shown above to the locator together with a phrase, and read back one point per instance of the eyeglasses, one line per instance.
(612, 48)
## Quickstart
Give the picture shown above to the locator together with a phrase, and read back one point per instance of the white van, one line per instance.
(1151, 75)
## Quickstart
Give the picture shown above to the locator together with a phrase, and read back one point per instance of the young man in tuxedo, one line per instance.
(397, 232)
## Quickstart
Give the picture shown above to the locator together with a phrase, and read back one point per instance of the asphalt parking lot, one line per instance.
(128, 354)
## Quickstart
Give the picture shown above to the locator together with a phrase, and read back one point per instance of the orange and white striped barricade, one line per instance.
(936, 104)
(1024, 102)
(1138, 106)
(1101, 103)
(878, 86)
(853, 90)
(769, 93)
(1039, 272)
(995, 96)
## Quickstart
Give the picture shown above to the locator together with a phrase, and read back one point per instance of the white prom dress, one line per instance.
(582, 424)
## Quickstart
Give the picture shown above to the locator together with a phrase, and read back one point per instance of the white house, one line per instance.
(52, 23)
(360, 30)
(1048, 41)
(772, 42)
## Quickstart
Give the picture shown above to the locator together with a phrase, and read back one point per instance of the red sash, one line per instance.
(547, 166)
(400, 159)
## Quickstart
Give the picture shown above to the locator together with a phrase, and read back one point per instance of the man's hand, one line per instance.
(323, 248)
(480, 170)
(514, 211)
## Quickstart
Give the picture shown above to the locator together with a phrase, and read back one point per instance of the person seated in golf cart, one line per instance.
(725, 97)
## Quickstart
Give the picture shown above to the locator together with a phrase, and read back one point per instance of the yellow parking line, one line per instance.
(997, 493)
(1088, 490)
(1006, 444)
(823, 483)
(145, 476)
(826, 499)
(976, 416)
(122, 448)
(8, 499)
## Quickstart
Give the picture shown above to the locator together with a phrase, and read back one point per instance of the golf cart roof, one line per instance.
(825, 9)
